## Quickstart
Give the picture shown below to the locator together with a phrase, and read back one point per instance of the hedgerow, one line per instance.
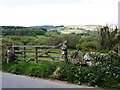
(105, 74)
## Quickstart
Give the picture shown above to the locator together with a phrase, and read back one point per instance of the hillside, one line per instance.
(41, 30)
(86, 27)
(77, 29)
(47, 26)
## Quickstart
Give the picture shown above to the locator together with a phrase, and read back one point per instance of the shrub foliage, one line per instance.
(104, 74)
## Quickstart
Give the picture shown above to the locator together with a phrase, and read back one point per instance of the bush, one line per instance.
(105, 74)
(43, 70)
(66, 72)
(86, 46)
(39, 70)
(88, 43)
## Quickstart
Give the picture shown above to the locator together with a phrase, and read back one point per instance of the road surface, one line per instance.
(18, 81)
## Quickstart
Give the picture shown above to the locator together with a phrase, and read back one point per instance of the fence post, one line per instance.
(24, 53)
(36, 50)
(13, 49)
(64, 51)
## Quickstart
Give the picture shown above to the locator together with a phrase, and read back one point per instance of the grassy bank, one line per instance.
(107, 76)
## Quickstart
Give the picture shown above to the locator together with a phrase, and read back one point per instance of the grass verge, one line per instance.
(101, 75)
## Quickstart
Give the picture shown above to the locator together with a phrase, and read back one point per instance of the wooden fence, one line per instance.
(34, 52)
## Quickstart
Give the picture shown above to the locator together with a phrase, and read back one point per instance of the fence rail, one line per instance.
(34, 46)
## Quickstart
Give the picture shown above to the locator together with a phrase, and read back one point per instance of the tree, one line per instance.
(108, 38)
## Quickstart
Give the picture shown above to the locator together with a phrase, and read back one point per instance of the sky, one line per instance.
(58, 12)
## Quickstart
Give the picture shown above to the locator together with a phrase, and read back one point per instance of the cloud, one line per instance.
(34, 2)
(60, 13)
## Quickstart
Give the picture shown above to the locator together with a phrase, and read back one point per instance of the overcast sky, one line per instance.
(58, 12)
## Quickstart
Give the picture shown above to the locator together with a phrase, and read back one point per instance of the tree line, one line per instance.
(22, 31)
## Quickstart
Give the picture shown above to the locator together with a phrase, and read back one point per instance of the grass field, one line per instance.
(68, 31)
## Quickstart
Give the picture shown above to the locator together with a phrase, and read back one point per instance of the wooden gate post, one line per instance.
(13, 49)
(24, 53)
(64, 51)
(36, 50)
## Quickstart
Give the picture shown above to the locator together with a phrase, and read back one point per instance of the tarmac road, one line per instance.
(18, 81)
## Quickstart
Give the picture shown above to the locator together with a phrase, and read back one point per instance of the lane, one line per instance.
(17, 81)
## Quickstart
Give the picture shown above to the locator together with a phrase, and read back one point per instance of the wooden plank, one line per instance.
(33, 46)
(54, 52)
(25, 51)
(50, 60)
(18, 54)
(48, 57)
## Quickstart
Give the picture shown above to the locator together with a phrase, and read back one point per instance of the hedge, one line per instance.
(105, 75)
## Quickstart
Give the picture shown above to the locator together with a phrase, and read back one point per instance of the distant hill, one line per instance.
(85, 27)
(41, 30)
(78, 29)
(47, 26)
